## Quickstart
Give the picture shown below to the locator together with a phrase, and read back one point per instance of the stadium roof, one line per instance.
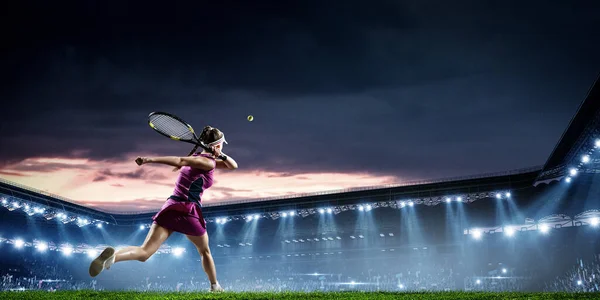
(580, 135)
(427, 193)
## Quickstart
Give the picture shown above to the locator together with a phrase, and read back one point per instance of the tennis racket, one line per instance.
(176, 129)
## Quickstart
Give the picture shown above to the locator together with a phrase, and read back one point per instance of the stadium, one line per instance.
(535, 229)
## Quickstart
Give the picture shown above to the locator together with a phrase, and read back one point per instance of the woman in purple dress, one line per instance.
(182, 211)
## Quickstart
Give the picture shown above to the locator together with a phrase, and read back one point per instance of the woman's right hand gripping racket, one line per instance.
(177, 129)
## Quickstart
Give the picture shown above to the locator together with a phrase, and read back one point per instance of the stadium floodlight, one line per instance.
(410, 203)
(67, 250)
(585, 159)
(4, 201)
(579, 282)
(498, 196)
(504, 270)
(321, 211)
(256, 217)
(178, 251)
(284, 214)
(401, 286)
(568, 179)
(507, 194)
(573, 172)
(19, 243)
(594, 222)
(459, 199)
(544, 228)
(329, 210)
(99, 225)
(509, 231)
(361, 208)
(42, 246)
(141, 227)
(448, 200)
(476, 234)
(292, 213)
(92, 253)
(26, 206)
(597, 143)
(478, 281)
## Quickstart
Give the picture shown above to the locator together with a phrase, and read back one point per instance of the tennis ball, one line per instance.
(250, 118)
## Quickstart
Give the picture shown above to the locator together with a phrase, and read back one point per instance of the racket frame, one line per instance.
(196, 141)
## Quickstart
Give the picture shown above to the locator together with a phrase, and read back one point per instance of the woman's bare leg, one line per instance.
(208, 264)
(156, 236)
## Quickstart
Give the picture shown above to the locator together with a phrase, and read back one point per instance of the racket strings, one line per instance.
(172, 127)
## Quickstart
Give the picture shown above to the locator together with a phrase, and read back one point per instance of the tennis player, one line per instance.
(182, 211)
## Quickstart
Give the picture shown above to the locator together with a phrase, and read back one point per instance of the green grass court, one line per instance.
(316, 295)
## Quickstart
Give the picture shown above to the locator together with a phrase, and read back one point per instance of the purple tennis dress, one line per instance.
(182, 211)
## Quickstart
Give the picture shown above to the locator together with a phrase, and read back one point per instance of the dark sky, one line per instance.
(420, 89)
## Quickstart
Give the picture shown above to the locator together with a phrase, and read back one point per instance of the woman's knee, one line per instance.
(204, 251)
(145, 255)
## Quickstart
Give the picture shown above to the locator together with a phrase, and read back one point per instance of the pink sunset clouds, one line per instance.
(122, 186)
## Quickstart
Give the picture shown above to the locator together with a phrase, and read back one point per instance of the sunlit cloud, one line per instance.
(124, 186)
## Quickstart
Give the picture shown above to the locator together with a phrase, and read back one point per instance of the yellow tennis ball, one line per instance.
(250, 118)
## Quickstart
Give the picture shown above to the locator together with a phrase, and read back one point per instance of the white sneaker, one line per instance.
(215, 288)
(103, 261)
